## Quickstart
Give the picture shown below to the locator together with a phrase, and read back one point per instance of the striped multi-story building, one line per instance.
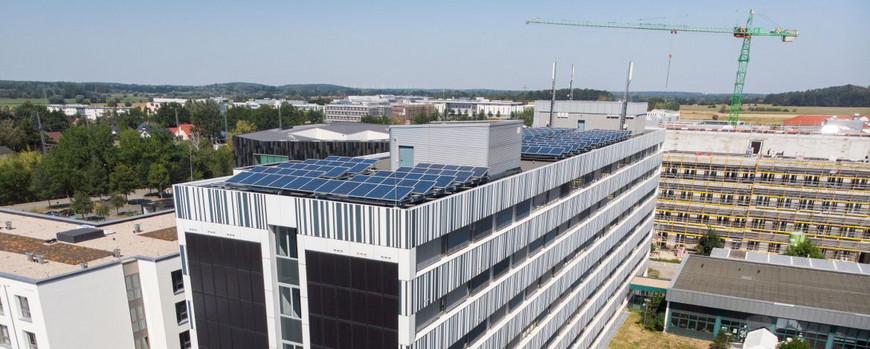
(536, 254)
(756, 189)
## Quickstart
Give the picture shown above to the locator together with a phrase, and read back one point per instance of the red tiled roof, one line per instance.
(812, 120)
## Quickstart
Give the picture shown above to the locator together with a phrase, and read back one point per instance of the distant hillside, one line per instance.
(97, 92)
(837, 96)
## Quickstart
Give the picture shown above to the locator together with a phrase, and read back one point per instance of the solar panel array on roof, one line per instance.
(560, 143)
(356, 179)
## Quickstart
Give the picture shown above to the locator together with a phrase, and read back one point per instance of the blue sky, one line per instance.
(428, 44)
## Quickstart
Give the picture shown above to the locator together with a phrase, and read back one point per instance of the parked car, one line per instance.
(66, 213)
(52, 213)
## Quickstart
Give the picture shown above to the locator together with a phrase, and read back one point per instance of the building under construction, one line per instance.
(756, 189)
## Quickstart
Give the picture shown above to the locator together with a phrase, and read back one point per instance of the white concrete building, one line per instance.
(531, 255)
(55, 294)
(660, 116)
(346, 111)
(471, 107)
(88, 111)
(590, 115)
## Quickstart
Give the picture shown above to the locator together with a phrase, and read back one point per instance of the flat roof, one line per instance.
(29, 234)
(290, 134)
(786, 285)
(383, 164)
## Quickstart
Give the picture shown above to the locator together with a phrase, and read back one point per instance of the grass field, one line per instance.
(13, 102)
(703, 112)
(630, 337)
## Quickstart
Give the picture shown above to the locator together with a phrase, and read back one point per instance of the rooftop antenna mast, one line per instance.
(571, 85)
(625, 97)
(553, 98)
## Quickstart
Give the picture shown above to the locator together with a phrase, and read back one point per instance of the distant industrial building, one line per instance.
(662, 116)
(63, 285)
(310, 142)
(590, 115)
(755, 189)
(453, 240)
(346, 111)
(475, 106)
(90, 112)
(829, 124)
(825, 303)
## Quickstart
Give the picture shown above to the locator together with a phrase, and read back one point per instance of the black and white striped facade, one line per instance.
(538, 259)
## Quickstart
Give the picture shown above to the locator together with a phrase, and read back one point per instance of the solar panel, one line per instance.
(397, 194)
(463, 176)
(335, 172)
(362, 189)
(328, 187)
(281, 182)
(267, 179)
(379, 191)
(444, 181)
(372, 179)
(345, 188)
(254, 177)
(358, 168)
(382, 174)
(404, 169)
(413, 176)
(297, 183)
(239, 177)
(332, 157)
(312, 185)
(451, 167)
(360, 179)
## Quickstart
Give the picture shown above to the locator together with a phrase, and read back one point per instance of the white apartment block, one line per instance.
(88, 111)
(122, 290)
(480, 248)
(475, 106)
(353, 112)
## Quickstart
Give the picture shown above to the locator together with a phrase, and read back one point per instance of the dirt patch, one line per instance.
(57, 252)
(168, 234)
(630, 336)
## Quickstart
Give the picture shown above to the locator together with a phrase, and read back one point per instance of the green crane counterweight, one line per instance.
(746, 32)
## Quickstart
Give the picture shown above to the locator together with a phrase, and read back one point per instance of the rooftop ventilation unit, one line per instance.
(9, 225)
(84, 265)
(40, 258)
(79, 235)
(116, 253)
(29, 256)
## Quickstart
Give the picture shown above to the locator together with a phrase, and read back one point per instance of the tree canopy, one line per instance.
(804, 249)
(708, 242)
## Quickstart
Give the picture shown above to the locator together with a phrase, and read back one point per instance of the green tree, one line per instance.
(123, 180)
(15, 177)
(116, 201)
(242, 127)
(804, 249)
(45, 180)
(81, 203)
(527, 115)
(158, 177)
(722, 341)
(794, 343)
(708, 242)
(102, 210)
(12, 136)
(653, 313)
(206, 115)
(368, 119)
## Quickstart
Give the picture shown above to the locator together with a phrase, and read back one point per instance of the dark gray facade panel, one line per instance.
(245, 148)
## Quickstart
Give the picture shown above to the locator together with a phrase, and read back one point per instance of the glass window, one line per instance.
(290, 302)
(504, 217)
(456, 240)
(1, 307)
(181, 312)
(285, 241)
(30, 340)
(177, 282)
(184, 339)
(288, 271)
(291, 329)
(4, 335)
(523, 209)
(133, 290)
(24, 306)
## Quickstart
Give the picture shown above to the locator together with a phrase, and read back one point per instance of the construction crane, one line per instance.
(745, 32)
